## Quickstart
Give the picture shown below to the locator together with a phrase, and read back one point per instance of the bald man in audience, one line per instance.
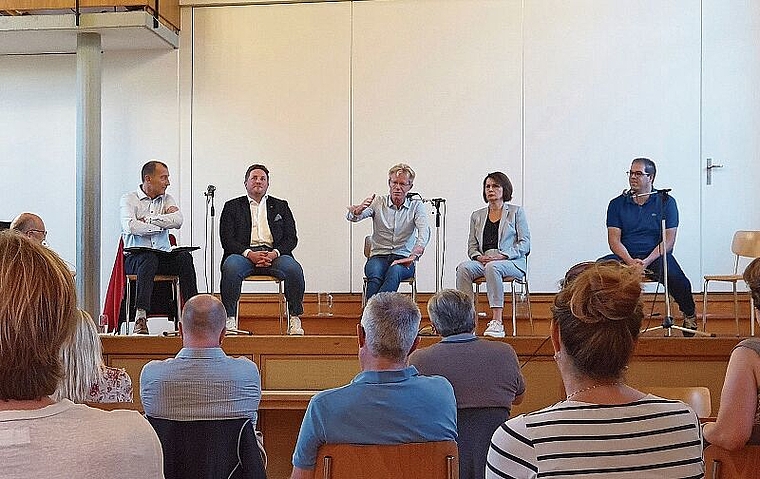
(389, 402)
(31, 226)
(201, 382)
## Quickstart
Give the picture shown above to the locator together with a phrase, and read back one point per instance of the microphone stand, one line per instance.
(436, 202)
(667, 323)
(209, 194)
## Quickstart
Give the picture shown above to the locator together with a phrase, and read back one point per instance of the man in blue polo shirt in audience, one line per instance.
(389, 402)
(634, 234)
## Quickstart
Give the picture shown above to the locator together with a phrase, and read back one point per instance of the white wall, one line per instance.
(37, 138)
(559, 95)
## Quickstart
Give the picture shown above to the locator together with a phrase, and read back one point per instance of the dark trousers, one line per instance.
(146, 265)
(679, 285)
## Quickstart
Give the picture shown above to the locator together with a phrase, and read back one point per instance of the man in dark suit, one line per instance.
(258, 235)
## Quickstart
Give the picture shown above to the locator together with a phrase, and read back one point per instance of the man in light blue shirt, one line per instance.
(389, 402)
(147, 215)
(400, 232)
(201, 382)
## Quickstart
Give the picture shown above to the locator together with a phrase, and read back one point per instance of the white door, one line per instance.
(730, 127)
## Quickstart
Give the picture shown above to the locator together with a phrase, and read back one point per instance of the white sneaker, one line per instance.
(495, 329)
(295, 329)
(231, 323)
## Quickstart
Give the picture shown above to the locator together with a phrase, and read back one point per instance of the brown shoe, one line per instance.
(689, 322)
(141, 326)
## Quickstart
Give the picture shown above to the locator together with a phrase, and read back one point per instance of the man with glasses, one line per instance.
(400, 232)
(31, 226)
(634, 220)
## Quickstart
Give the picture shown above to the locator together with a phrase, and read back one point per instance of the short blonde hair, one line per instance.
(37, 314)
(402, 168)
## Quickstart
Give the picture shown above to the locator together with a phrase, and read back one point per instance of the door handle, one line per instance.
(710, 166)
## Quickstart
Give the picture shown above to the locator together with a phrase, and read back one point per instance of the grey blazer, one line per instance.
(514, 236)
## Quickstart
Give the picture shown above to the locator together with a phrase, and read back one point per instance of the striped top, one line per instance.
(649, 438)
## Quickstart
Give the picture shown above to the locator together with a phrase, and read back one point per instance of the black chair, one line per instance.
(475, 426)
(209, 449)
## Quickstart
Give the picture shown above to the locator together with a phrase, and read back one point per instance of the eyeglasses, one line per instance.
(43, 232)
(637, 174)
(402, 184)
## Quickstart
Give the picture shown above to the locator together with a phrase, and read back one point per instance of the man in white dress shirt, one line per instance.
(147, 215)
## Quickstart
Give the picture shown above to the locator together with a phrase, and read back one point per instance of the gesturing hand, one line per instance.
(356, 210)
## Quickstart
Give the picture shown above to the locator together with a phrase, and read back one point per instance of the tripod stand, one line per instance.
(667, 323)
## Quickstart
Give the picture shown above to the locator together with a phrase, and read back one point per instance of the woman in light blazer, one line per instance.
(498, 247)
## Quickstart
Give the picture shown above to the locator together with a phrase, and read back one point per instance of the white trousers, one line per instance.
(493, 271)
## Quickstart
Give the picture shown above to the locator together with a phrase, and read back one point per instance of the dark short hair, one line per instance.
(255, 167)
(649, 166)
(150, 167)
(503, 181)
(599, 316)
(451, 312)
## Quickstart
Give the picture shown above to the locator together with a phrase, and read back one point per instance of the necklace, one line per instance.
(575, 393)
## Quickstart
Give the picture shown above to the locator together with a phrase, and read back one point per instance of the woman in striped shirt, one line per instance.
(604, 428)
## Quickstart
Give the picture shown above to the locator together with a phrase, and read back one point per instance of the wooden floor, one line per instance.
(294, 368)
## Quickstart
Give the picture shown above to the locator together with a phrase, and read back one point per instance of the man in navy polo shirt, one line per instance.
(633, 232)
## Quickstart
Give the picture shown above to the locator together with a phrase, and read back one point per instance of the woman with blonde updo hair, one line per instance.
(603, 427)
(740, 397)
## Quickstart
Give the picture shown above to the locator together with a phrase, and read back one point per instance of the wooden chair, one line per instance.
(282, 302)
(418, 460)
(723, 464)
(746, 244)
(411, 281)
(698, 397)
(173, 281)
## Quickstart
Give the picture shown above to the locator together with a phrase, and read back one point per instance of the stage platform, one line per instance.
(258, 313)
(293, 368)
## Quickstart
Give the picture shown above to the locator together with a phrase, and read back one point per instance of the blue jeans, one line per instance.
(679, 285)
(381, 276)
(236, 267)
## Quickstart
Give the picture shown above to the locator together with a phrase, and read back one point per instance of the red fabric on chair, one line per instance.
(115, 292)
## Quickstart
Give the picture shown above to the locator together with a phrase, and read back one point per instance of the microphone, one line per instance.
(210, 190)
(412, 194)
(627, 193)
(664, 190)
